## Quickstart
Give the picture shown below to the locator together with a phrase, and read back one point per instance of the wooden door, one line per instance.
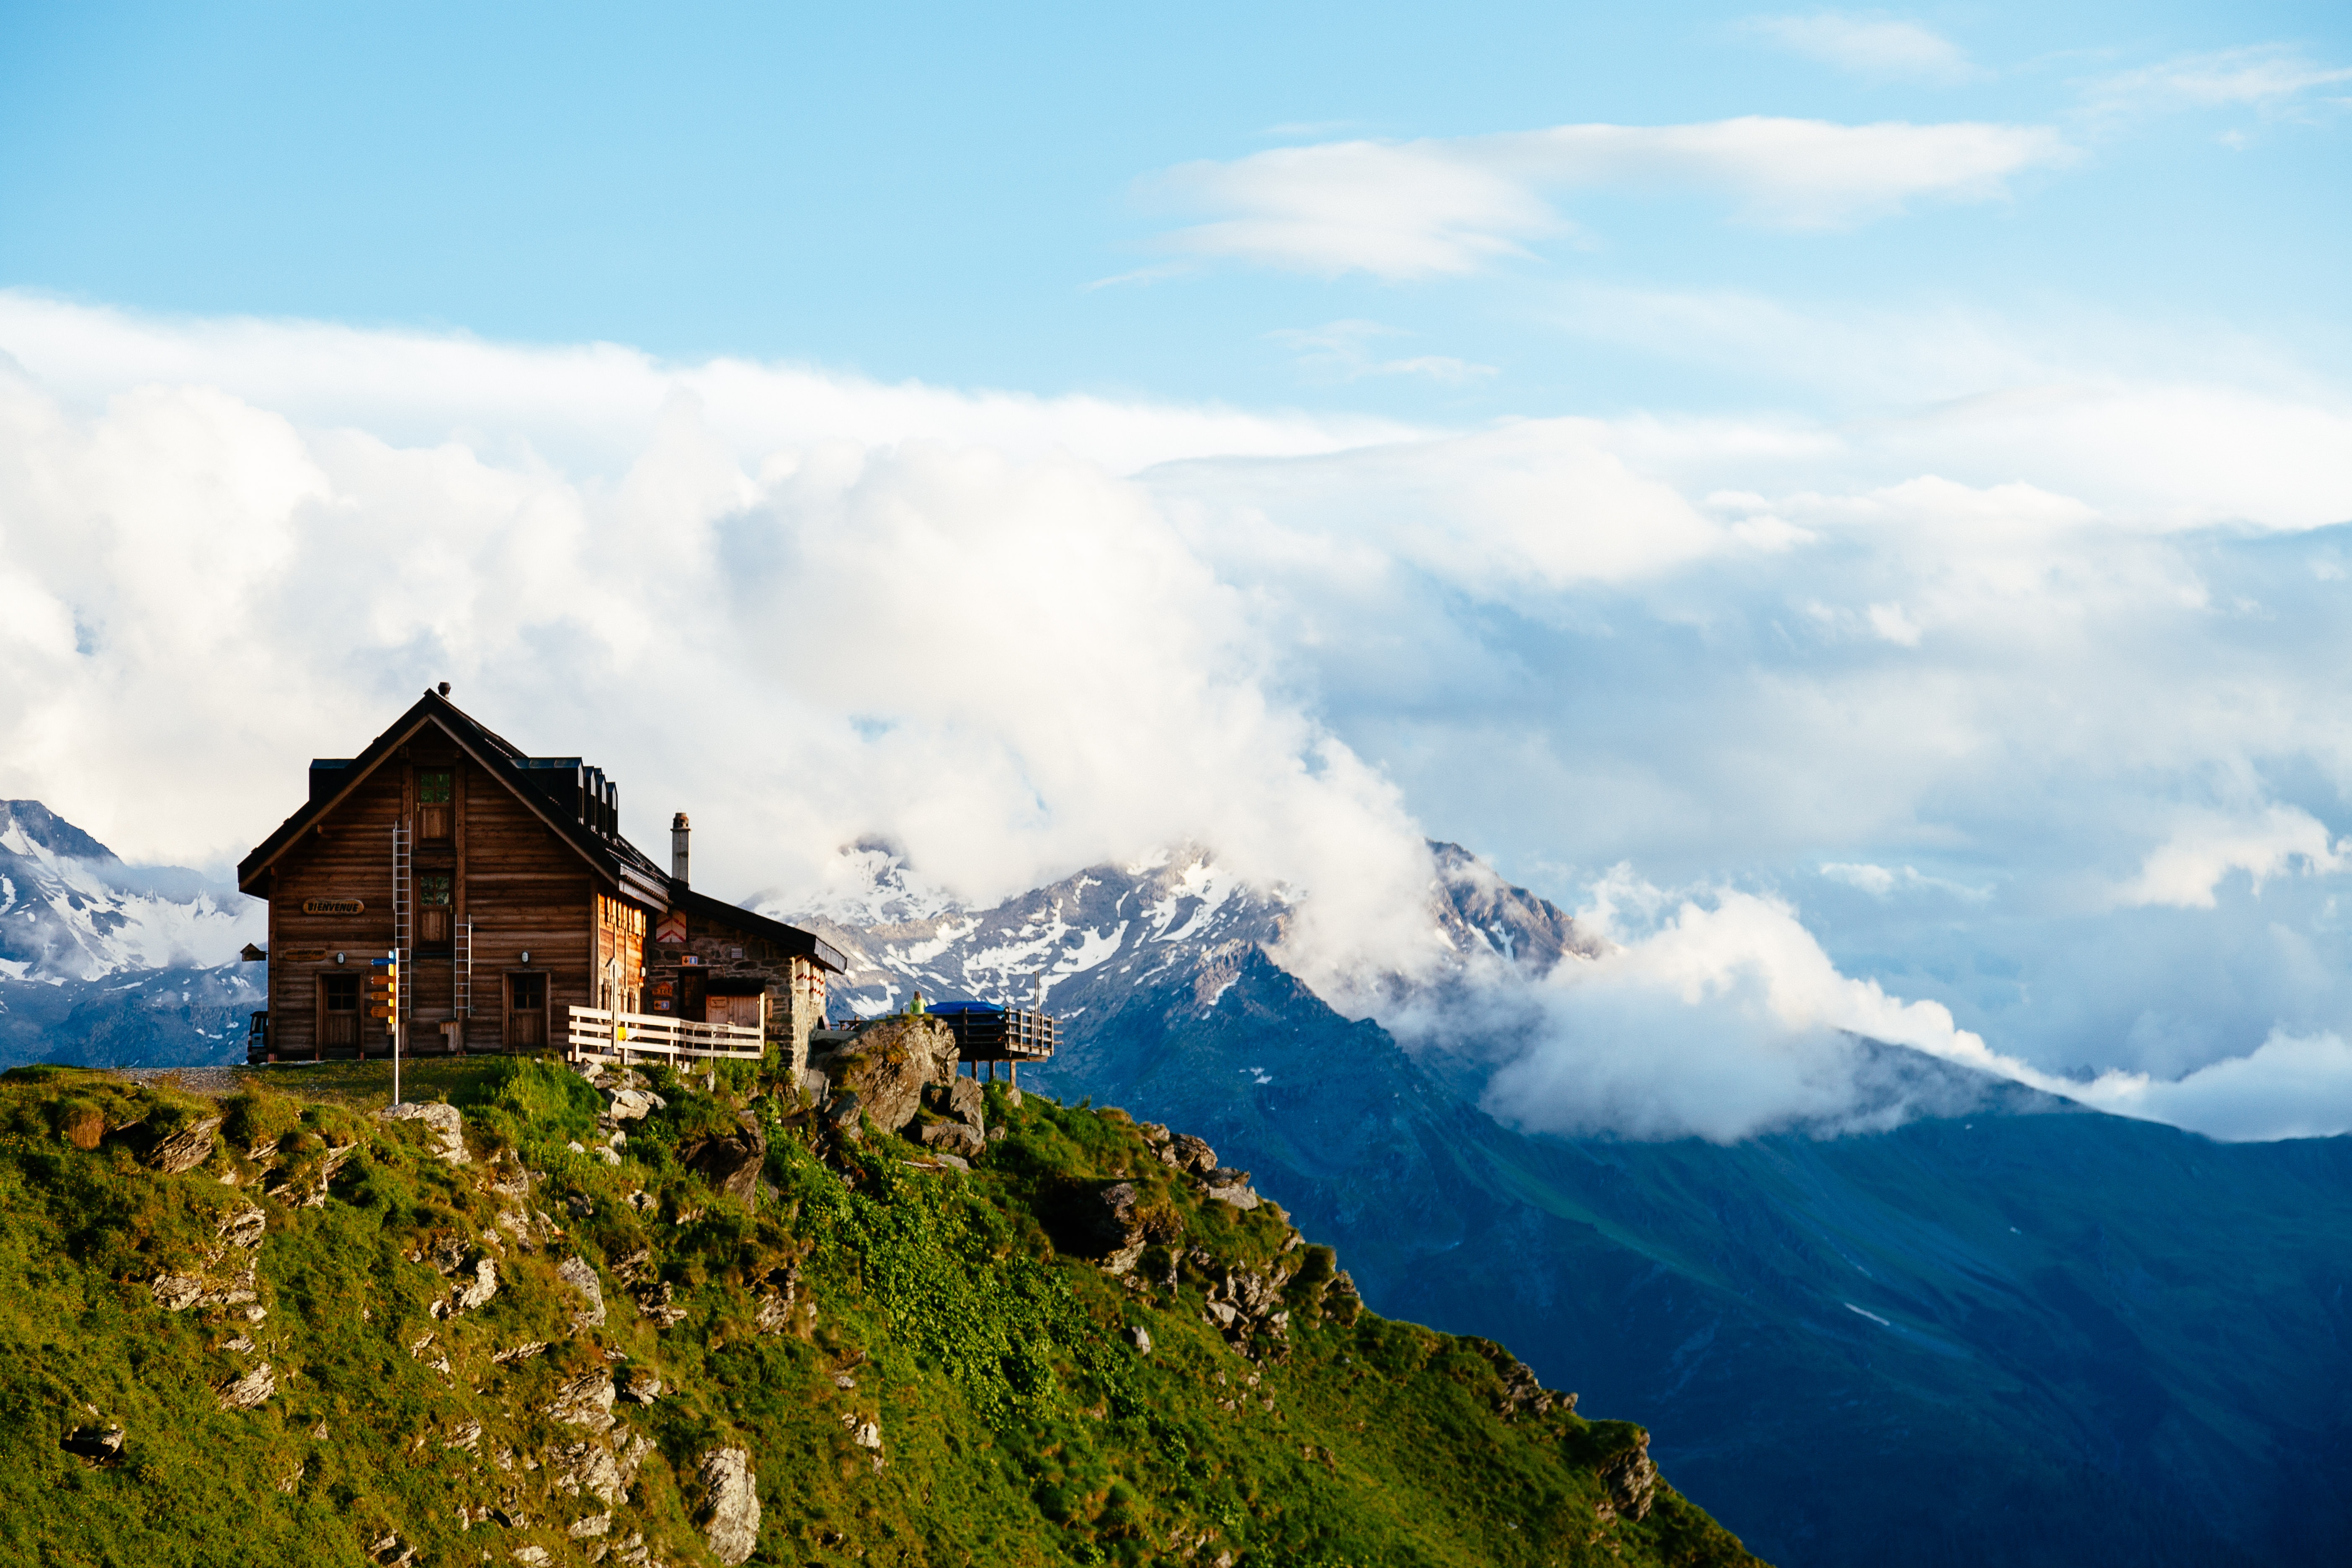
(436, 819)
(339, 1012)
(526, 1012)
(435, 910)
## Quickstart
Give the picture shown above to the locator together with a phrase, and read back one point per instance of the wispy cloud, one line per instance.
(2279, 80)
(1869, 45)
(1435, 207)
(1341, 352)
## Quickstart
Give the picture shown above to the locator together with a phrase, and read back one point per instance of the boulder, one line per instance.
(889, 1065)
(104, 1444)
(184, 1150)
(467, 1294)
(960, 1099)
(730, 1515)
(632, 1104)
(447, 1140)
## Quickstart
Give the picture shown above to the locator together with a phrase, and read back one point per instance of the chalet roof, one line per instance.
(556, 789)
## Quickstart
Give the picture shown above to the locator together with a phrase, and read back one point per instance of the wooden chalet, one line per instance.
(519, 916)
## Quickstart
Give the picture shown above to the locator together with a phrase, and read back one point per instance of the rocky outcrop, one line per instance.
(102, 1444)
(1112, 1227)
(730, 1515)
(1632, 1480)
(1243, 1303)
(1230, 1186)
(585, 1400)
(470, 1287)
(184, 1150)
(581, 1275)
(223, 1278)
(445, 1136)
(1188, 1154)
(731, 1162)
(958, 1138)
(244, 1392)
(889, 1065)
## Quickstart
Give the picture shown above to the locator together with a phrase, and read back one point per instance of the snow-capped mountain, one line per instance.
(70, 909)
(1179, 920)
(104, 963)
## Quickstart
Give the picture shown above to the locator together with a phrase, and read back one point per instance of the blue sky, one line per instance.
(1855, 501)
(941, 192)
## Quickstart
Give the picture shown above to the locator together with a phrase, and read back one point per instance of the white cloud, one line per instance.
(1872, 46)
(1341, 352)
(2277, 841)
(2289, 1087)
(1883, 882)
(1716, 1014)
(2274, 78)
(1448, 206)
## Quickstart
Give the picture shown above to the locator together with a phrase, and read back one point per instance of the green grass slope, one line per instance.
(308, 1335)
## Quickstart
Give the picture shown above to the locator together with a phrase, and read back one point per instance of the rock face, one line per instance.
(960, 1099)
(730, 1515)
(448, 1127)
(890, 1064)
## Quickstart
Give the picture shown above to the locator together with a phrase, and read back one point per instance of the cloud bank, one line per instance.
(2059, 651)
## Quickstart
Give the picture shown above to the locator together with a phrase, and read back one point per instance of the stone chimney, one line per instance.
(677, 832)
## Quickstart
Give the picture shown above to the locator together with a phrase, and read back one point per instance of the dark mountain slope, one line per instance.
(2020, 1335)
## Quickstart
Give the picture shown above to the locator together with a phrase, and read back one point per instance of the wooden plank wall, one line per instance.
(348, 854)
(526, 890)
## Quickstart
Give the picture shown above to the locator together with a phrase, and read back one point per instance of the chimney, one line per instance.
(677, 832)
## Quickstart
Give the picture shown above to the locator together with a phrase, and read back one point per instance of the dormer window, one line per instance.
(435, 818)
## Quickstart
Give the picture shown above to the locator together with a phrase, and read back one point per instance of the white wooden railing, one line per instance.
(601, 1032)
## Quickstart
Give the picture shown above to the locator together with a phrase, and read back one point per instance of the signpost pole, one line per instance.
(396, 1027)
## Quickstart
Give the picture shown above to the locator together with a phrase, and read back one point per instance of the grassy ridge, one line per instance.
(862, 1301)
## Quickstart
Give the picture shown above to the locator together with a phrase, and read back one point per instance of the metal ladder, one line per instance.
(402, 900)
(464, 967)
